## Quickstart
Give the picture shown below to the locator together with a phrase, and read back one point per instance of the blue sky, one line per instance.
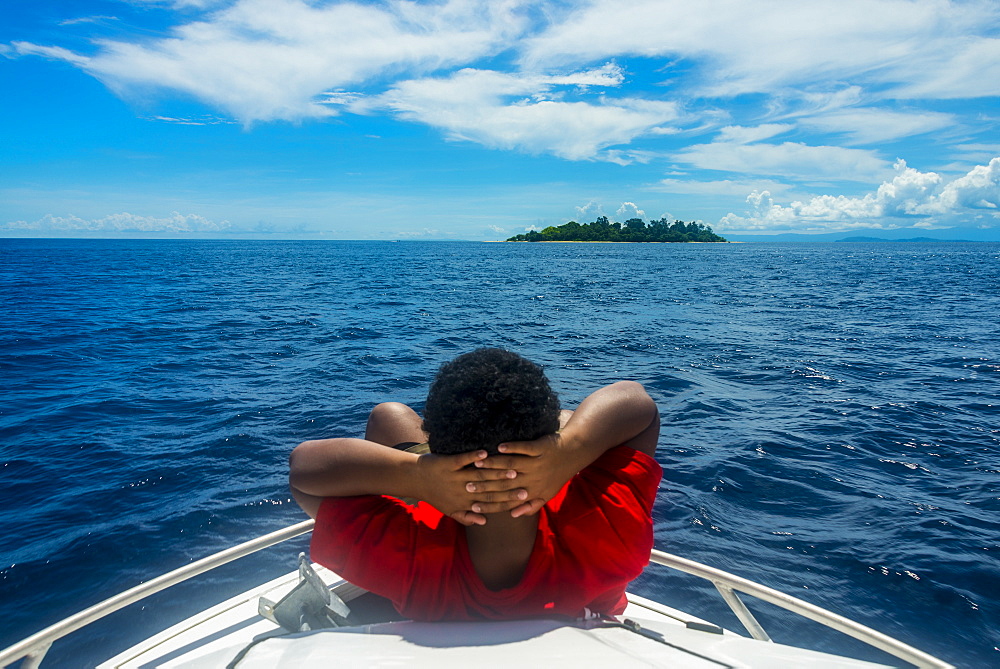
(479, 119)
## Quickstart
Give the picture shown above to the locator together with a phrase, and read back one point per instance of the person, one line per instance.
(518, 517)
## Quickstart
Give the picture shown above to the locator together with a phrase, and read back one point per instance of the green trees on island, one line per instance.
(632, 230)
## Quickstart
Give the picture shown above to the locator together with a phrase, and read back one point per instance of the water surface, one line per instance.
(830, 420)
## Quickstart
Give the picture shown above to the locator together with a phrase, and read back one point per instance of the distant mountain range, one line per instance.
(871, 235)
(908, 239)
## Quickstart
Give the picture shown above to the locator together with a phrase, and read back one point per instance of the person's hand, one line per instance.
(451, 488)
(543, 468)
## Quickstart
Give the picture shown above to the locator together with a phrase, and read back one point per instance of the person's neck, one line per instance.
(500, 549)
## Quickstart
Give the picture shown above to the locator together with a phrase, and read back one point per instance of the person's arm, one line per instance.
(349, 467)
(621, 414)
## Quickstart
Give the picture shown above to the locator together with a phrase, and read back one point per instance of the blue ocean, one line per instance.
(830, 412)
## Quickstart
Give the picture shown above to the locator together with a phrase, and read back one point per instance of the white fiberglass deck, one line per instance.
(233, 634)
(219, 636)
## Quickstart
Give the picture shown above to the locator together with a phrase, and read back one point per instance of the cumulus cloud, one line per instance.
(525, 112)
(594, 210)
(629, 210)
(911, 199)
(979, 189)
(123, 222)
(590, 211)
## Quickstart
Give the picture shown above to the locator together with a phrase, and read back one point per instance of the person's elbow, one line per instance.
(643, 416)
(311, 462)
(635, 393)
(299, 474)
(297, 464)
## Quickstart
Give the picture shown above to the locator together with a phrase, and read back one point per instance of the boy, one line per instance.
(518, 518)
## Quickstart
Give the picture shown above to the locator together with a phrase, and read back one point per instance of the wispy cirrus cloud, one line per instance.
(199, 120)
(527, 112)
(727, 187)
(731, 94)
(865, 126)
(87, 19)
(788, 159)
(909, 49)
(268, 60)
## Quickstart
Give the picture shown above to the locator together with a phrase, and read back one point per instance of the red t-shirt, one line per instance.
(593, 538)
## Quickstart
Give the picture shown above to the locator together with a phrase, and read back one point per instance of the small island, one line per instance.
(633, 230)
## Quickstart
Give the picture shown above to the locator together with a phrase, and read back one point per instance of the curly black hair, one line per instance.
(484, 398)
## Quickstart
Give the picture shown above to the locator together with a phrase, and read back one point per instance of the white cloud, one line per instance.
(720, 187)
(911, 199)
(740, 135)
(200, 120)
(608, 75)
(915, 48)
(979, 189)
(980, 153)
(790, 159)
(869, 126)
(590, 212)
(629, 210)
(523, 112)
(826, 66)
(971, 70)
(269, 59)
(123, 222)
(264, 60)
(628, 157)
(594, 210)
(182, 4)
(87, 19)
(54, 52)
(417, 234)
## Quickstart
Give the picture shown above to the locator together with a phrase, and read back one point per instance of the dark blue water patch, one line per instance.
(829, 412)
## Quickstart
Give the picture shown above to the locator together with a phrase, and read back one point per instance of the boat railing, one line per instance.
(33, 649)
(728, 584)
